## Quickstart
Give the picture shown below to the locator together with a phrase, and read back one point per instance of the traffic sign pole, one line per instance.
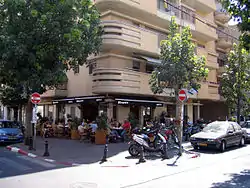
(182, 97)
(35, 99)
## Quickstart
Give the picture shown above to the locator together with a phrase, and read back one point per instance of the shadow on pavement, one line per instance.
(213, 151)
(72, 151)
(241, 180)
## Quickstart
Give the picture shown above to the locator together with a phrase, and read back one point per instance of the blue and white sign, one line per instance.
(192, 91)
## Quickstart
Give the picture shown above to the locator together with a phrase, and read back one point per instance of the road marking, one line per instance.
(13, 164)
(38, 161)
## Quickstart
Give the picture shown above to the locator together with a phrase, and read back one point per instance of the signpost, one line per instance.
(182, 97)
(35, 99)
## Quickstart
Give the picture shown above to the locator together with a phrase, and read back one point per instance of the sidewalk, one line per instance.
(72, 151)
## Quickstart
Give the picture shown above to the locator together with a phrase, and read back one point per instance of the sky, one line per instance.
(232, 22)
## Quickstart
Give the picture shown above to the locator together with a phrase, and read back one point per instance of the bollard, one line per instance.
(105, 152)
(142, 157)
(165, 155)
(30, 143)
(46, 152)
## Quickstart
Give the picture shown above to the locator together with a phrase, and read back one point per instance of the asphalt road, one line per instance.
(13, 164)
(211, 170)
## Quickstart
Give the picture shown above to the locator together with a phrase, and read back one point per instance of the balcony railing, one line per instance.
(175, 10)
(224, 35)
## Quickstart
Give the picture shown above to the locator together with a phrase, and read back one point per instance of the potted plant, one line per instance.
(75, 122)
(102, 130)
(132, 119)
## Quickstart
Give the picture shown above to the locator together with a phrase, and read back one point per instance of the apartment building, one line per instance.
(117, 79)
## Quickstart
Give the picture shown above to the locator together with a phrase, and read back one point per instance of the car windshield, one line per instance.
(247, 125)
(215, 127)
(8, 124)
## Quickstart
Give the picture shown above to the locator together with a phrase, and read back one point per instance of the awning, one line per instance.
(150, 60)
(149, 101)
(81, 99)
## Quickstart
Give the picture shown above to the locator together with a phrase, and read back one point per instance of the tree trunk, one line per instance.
(20, 112)
(238, 110)
(15, 109)
(179, 121)
(29, 128)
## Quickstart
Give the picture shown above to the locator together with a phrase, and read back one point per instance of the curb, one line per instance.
(31, 155)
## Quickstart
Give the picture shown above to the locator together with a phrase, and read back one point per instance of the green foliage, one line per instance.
(240, 11)
(41, 39)
(75, 122)
(102, 122)
(180, 67)
(132, 119)
(235, 82)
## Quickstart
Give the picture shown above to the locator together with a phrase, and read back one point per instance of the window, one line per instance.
(92, 67)
(72, 112)
(149, 68)
(76, 69)
(230, 128)
(201, 45)
(237, 127)
(136, 65)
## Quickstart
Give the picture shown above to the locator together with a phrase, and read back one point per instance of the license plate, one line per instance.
(12, 137)
(202, 144)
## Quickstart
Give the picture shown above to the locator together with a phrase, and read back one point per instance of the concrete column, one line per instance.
(46, 110)
(5, 113)
(110, 111)
(141, 115)
(190, 112)
(198, 110)
(54, 114)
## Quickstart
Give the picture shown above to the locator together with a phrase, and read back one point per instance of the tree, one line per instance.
(179, 68)
(239, 9)
(235, 82)
(42, 39)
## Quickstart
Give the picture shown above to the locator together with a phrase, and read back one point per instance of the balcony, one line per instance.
(209, 91)
(184, 16)
(60, 91)
(210, 57)
(224, 40)
(221, 16)
(108, 80)
(204, 30)
(139, 9)
(127, 37)
(203, 6)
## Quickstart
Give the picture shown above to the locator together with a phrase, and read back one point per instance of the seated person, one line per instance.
(126, 128)
(93, 126)
(113, 132)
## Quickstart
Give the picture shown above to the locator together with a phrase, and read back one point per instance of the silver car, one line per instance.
(246, 126)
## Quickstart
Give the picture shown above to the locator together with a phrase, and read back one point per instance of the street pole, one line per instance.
(34, 125)
(181, 126)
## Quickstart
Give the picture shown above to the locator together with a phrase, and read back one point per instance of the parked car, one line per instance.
(246, 126)
(10, 132)
(219, 135)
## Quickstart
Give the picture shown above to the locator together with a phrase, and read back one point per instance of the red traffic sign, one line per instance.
(182, 96)
(35, 98)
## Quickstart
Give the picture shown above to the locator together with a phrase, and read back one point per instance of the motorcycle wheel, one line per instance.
(133, 150)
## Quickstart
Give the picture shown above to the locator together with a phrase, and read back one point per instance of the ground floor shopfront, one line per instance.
(119, 107)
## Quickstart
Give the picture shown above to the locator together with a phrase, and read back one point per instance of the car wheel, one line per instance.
(242, 142)
(223, 146)
(196, 147)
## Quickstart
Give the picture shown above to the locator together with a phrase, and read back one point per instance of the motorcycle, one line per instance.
(143, 140)
(150, 133)
(187, 132)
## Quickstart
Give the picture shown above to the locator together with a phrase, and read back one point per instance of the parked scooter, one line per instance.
(143, 140)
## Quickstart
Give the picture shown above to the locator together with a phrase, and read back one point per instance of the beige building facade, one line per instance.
(117, 79)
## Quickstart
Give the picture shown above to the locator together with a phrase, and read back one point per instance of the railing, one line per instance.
(175, 10)
(225, 36)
